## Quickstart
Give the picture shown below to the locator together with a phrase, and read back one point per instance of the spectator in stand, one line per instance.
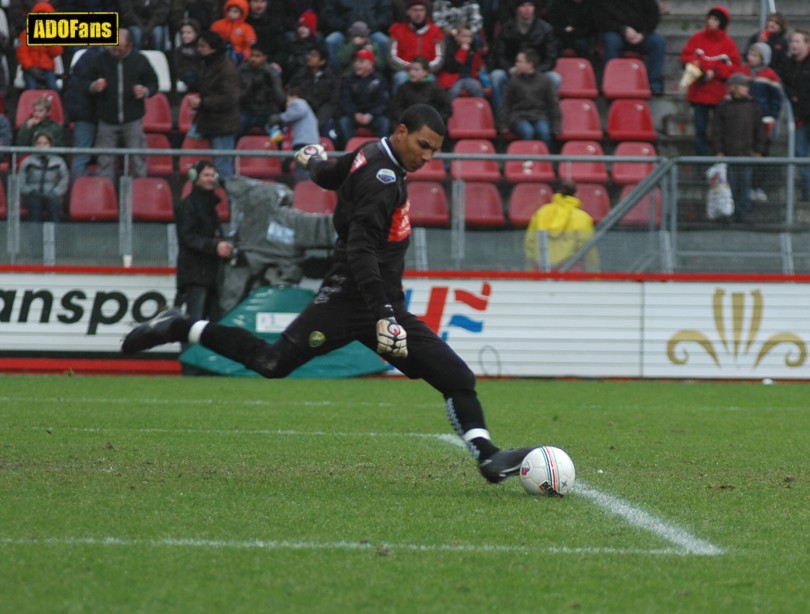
(319, 87)
(766, 88)
(272, 23)
(420, 88)
(147, 22)
(462, 66)
(80, 105)
(775, 35)
(262, 93)
(17, 11)
(716, 57)
(629, 25)
(187, 60)
(363, 100)
(37, 62)
(338, 16)
(399, 9)
(415, 36)
(450, 15)
(6, 133)
(737, 130)
(216, 106)
(40, 121)
(531, 106)
(796, 79)
(303, 125)
(44, 179)
(204, 11)
(235, 31)
(306, 39)
(574, 26)
(359, 38)
(521, 31)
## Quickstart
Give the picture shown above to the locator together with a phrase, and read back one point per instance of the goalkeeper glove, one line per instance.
(391, 337)
(303, 155)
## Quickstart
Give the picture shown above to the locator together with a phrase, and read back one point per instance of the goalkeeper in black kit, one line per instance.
(361, 297)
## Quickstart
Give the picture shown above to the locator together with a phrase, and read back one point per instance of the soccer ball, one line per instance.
(547, 471)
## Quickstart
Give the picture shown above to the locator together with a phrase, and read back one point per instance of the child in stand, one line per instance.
(303, 125)
(44, 179)
(306, 39)
(420, 88)
(463, 65)
(235, 31)
(262, 93)
(187, 59)
(40, 121)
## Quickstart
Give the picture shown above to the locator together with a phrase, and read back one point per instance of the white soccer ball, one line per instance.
(547, 471)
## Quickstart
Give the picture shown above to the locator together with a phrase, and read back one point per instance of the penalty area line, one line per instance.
(635, 516)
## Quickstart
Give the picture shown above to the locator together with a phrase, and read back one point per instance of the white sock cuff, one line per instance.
(475, 434)
(196, 331)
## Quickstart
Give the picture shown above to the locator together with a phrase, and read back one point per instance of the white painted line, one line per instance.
(259, 544)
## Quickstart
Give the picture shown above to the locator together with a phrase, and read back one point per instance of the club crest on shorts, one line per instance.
(316, 339)
(386, 175)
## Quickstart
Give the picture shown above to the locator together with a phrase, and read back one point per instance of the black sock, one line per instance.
(179, 329)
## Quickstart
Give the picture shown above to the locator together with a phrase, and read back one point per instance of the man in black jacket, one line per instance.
(361, 297)
(120, 81)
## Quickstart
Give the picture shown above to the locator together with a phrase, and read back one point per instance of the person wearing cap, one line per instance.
(415, 36)
(796, 79)
(340, 21)
(307, 37)
(716, 55)
(737, 130)
(363, 100)
(43, 180)
(359, 36)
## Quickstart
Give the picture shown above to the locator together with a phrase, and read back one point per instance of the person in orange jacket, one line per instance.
(37, 63)
(235, 31)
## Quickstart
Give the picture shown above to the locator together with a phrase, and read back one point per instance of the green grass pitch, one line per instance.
(242, 495)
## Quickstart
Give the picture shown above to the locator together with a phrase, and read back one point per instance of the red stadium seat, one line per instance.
(624, 173)
(428, 204)
(595, 200)
(312, 198)
(528, 170)
(256, 167)
(583, 171)
(475, 170)
(625, 78)
(580, 120)
(356, 141)
(630, 120)
(472, 118)
(152, 200)
(639, 215)
(158, 116)
(432, 171)
(190, 159)
(578, 78)
(223, 208)
(93, 199)
(483, 207)
(26, 101)
(525, 200)
(158, 166)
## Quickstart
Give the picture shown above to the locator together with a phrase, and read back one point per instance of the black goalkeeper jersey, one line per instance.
(371, 220)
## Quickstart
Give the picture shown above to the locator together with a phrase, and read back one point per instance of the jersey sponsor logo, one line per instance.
(386, 175)
(400, 223)
(359, 160)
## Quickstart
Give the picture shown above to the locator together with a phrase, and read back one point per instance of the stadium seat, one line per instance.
(185, 116)
(639, 215)
(525, 200)
(625, 78)
(312, 198)
(356, 141)
(483, 207)
(160, 64)
(624, 173)
(475, 170)
(432, 171)
(158, 166)
(472, 118)
(578, 78)
(256, 167)
(223, 209)
(595, 200)
(152, 200)
(190, 159)
(580, 120)
(158, 116)
(93, 199)
(58, 70)
(528, 170)
(428, 204)
(583, 171)
(26, 100)
(630, 120)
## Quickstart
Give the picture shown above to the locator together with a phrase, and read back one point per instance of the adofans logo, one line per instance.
(71, 29)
